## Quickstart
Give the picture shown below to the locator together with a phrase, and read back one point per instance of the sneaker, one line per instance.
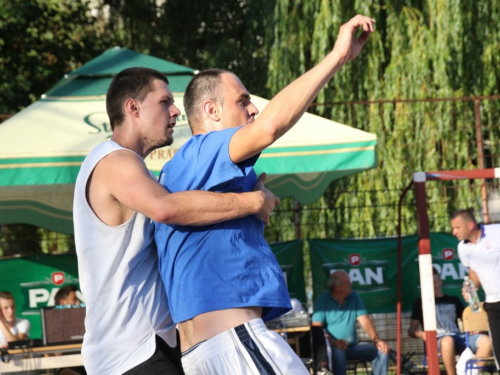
(324, 371)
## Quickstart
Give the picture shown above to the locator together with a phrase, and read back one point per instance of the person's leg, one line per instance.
(493, 311)
(370, 353)
(446, 345)
(339, 361)
(164, 361)
(481, 346)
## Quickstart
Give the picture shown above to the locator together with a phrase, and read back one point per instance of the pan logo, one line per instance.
(448, 253)
(355, 259)
(58, 278)
(365, 275)
(41, 293)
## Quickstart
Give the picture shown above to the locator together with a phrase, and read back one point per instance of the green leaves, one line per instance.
(420, 50)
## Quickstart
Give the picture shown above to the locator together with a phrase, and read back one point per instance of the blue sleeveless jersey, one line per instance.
(224, 265)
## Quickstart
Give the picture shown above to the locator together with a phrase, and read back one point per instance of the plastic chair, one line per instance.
(476, 321)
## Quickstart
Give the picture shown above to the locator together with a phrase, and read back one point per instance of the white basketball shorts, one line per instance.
(248, 349)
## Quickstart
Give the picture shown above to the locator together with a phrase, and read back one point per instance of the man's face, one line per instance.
(462, 229)
(437, 284)
(237, 109)
(345, 287)
(71, 299)
(158, 115)
(8, 308)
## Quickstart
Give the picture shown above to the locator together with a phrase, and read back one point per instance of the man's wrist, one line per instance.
(256, 201)
(376, 339)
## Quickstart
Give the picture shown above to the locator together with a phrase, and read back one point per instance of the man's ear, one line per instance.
(131, 107)
(212, 110)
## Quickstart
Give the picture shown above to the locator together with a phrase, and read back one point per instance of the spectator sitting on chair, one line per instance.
(336, 312)
(11, 328)
(450, 340)
(67, 296)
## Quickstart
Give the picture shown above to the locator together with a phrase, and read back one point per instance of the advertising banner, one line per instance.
(371, 264)
(34, 281)
(291, 259)
(372, 267)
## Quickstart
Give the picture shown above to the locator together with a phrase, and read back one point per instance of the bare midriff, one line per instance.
(207, 325)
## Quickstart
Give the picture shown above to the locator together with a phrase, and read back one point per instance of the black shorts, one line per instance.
(164, 361)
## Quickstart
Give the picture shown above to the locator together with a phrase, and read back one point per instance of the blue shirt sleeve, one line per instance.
(204, 163)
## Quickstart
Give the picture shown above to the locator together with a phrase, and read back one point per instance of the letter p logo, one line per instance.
(355, 259)
(58, 278)
(448, 254)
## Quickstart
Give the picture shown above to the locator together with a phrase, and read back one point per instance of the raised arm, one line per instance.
(285, 109)
(121, 179)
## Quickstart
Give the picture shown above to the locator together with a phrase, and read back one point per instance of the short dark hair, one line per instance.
(467, 214)
(64, 292)
(206, 85)
(133, 83)
(6, 295)
(435, 271)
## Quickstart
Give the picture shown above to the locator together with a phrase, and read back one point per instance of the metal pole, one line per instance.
(400, 286)
(296, 218)
(480, 157)
(426, 278)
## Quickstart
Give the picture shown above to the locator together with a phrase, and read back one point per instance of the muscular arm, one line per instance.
(121, 184)
(288, 106)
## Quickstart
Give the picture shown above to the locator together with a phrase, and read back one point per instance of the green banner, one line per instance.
(34, 281)
(371, 264)
(291, 259)
(372, 267)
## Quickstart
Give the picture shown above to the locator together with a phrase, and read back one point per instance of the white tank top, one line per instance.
(119, 278)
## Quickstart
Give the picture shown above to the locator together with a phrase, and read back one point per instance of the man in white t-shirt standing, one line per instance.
(11, 328)
(479, 250)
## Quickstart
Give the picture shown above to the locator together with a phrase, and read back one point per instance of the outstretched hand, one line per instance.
(270, 200)
(347, 45)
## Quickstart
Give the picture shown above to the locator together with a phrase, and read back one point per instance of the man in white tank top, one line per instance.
(128, 324)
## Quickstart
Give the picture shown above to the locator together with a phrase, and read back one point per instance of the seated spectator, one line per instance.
(11, 328)
(336, 312)
(450, 341)
(67, 296)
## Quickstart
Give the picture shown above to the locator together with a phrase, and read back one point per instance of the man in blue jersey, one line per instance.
(223, 280)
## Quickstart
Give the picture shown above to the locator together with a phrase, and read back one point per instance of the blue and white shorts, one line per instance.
(248, 349)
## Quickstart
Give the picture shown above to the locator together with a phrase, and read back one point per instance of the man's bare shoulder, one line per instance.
(111, 182)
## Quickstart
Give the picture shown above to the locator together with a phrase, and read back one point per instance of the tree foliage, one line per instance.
(422, 49)
(40, 41)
